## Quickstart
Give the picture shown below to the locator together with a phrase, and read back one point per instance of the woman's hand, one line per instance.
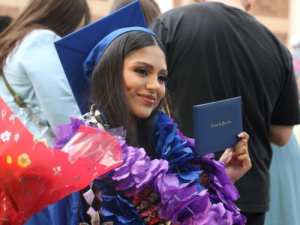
(237, 160)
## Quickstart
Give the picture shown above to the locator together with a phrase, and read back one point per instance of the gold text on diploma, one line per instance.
(220, 124)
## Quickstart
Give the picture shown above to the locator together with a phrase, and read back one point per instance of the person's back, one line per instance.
(216, 52)
(30, 64)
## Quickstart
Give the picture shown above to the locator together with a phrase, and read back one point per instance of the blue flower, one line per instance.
(115, 207)
(170, 147)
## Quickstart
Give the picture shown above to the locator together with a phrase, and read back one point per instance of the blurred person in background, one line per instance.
(4, 22)
(150, 8)
(285, 168)
(30, 64)
(295, 43)
(228, 53)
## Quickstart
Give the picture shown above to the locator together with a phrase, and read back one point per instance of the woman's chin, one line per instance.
(142, 115)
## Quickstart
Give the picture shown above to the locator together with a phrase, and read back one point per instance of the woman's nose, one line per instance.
(152, 83)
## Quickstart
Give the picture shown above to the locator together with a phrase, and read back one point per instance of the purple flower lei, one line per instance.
(175, 175)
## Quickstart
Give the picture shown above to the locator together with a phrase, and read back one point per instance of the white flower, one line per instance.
(5, 136)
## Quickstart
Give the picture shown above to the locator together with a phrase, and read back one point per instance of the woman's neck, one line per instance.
(134, 122)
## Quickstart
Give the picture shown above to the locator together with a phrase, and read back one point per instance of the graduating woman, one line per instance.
(161, 180)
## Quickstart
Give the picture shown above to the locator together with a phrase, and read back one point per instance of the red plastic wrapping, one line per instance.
(33, 176)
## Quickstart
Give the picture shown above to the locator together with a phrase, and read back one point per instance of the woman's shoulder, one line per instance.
(39, 36)
(42, 33)
(35, 43)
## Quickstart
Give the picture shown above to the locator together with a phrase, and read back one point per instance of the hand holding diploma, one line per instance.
(237, 160)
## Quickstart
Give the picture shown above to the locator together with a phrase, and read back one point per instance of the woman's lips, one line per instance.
(149, 99)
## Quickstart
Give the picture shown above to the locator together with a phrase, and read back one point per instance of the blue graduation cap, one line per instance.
(80, 51)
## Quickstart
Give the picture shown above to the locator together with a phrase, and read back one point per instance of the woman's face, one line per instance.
(144, 74)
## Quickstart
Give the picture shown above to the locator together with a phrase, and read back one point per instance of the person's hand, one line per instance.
(237, 160)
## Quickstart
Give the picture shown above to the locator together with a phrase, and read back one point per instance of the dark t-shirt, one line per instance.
(217, 52)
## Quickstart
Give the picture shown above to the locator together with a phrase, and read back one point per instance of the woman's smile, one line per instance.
(148, 99)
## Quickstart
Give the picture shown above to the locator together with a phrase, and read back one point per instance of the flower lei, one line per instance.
(192, 190)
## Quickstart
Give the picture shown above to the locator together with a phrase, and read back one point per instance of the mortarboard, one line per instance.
(80, 51)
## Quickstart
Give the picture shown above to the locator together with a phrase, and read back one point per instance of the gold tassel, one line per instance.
(167, 107)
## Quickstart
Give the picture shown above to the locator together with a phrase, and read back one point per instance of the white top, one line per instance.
(34, 72)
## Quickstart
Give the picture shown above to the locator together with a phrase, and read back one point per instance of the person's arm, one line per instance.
(286, 111)
(280, 135)
(41, 64)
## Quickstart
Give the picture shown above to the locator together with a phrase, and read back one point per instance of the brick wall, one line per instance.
(12, 11)
(274, 14)
(271, 8)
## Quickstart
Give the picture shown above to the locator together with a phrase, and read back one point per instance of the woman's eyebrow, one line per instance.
(149, 66)
(145, 64)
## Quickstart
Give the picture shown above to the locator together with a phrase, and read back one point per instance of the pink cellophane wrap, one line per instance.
(33, 176)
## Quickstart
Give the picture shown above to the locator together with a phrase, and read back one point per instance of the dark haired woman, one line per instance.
(160, 179)
(29, 62)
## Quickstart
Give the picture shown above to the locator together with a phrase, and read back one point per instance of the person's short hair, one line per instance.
(150, 8)
(4, 22)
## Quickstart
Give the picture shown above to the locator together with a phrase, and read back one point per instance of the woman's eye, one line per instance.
(142, 71)
(162, 78)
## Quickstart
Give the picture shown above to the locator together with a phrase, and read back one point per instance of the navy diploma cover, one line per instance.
(216, 125)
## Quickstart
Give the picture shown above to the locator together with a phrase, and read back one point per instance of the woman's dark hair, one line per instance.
(108, 86)
(150, 8)
(60, 16)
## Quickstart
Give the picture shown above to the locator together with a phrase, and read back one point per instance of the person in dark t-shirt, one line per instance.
(216, 50)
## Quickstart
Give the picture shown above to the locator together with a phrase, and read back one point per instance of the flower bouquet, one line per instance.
(33, 175)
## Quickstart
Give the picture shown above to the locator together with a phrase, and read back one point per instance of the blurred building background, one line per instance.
(282, 17)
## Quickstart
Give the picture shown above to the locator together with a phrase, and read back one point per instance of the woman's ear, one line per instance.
(249, 5)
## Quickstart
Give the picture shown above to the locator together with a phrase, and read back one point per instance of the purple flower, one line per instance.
(219, 179)
(136, 172)
(182, 202)
(219, 215)
(220, 183)
(65, 132)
